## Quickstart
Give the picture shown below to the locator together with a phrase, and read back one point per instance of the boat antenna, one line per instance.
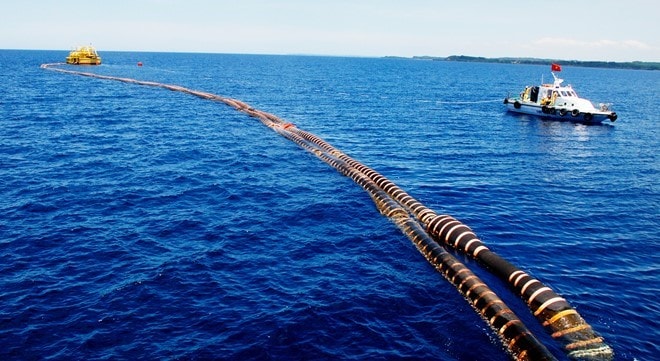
(558, 81)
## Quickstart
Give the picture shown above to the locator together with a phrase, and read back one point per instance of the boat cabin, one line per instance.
(550, 94)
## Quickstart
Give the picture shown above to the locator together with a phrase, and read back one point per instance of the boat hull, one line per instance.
(83, 61)
(548, 112)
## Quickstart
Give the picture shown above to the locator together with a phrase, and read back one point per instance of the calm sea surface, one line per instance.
(141, 223)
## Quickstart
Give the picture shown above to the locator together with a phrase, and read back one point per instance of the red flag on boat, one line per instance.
(556, 67)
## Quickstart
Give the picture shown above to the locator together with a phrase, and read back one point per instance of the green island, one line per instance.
(637, 65)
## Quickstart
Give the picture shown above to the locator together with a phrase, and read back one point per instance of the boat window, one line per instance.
(563, 93)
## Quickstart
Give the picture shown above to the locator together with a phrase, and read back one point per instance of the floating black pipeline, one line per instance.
(577, 337)
(519, 341)
(579, 340)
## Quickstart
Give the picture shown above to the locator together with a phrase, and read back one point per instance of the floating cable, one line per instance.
(428, 231)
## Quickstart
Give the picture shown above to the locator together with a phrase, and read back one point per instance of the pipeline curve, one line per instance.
(520, 342)
(429, 232)
(566, 325)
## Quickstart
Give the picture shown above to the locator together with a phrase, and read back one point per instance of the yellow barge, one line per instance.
(84, 55)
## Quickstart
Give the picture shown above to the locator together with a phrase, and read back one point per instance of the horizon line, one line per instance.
(411, 57)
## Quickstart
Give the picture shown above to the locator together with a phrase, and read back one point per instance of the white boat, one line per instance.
(556, 101)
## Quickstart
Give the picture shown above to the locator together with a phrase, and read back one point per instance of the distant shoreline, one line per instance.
(636, 65)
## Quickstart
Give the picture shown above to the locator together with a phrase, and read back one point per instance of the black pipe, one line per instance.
(553, 310)
(578, 339)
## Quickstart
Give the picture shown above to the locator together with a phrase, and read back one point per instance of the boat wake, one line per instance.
(470, 102)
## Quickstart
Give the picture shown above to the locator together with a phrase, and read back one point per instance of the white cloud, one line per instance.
(637, 44)
(594, 44)
(598, 49)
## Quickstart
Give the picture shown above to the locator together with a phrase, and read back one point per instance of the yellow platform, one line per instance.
(84, 55)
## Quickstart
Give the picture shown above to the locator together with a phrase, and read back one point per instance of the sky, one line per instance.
(604, 30)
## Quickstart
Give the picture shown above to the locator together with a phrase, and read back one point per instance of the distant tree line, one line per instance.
(638, 65)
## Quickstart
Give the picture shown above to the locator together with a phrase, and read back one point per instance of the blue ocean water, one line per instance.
(140, 223)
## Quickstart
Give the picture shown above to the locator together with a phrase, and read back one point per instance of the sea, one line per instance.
(139, 223)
